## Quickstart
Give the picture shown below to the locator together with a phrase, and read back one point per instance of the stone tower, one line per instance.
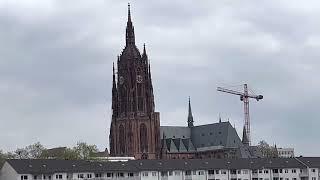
(135, 126)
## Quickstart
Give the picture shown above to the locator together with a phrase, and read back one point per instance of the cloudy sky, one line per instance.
(56, 67)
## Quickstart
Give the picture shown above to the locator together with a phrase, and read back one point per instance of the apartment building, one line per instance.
(174, 169)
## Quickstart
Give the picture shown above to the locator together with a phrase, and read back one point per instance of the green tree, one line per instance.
(267, 150)
(84, 150)
(71, 154)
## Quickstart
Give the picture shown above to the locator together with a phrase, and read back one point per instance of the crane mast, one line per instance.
(244, 96)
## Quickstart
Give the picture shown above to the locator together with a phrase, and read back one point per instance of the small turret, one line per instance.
(245, 139)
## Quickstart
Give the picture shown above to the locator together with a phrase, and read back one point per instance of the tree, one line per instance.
(84, 150)
(32, 151)
(267, 150)
(71, 154)
(2, 158)
(35, 150)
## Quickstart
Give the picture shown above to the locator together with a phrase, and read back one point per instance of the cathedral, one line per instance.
(135, 126)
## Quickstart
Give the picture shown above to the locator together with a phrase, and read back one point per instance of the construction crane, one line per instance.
(244, 96)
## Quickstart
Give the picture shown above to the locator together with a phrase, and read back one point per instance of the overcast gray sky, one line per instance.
(56, 66)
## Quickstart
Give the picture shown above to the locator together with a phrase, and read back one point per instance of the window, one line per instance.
(98, 175)
(130, 174)
(88, 176)
(59, 176)
(275, 171)
(188, 173)
(194, 172)
(154, 173)
(239, 171)
(120, 174)
(286, 178)
(80, 176)
(35, 177)
(224, 172)
(280, 170)
(143, 138)
(260, 171)
(210, 172)
(170, 173)
(233, 171)
(245, 171)
(254, 171)
(286, 171)
(201, 172)
(294, 171)
(24, 177)
(164, 173)
(313, 178)
(217, 171)
(294, 178)
(177, 173)
(145, 174)
(266, 171)
(313, 170)
(109, 174)
(121, 139)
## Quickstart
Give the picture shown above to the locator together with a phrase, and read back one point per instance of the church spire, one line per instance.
(129, 13)
(130, 39)
(190, 117)
(245, 140)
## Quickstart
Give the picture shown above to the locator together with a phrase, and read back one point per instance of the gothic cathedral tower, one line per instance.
(135, 126)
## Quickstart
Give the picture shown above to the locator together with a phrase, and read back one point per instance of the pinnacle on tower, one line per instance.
(129, 13)
(130, 38)
(144, 48)
(245, 139)
(190, 117)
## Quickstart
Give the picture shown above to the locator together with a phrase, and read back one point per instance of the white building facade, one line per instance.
(285, 152)
(201, 169)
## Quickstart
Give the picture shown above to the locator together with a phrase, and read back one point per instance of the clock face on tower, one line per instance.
(139, 79)
(121, 80)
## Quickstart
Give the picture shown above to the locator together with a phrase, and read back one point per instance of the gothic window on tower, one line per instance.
(143, 138)
(123, 99)
(121, 139)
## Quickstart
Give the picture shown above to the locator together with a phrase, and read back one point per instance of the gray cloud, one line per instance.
(56, 60)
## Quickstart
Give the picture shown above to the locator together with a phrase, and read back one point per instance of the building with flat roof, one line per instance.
(285, 152)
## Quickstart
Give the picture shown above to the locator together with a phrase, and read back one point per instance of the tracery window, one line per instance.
(121, 139)
(143, 138)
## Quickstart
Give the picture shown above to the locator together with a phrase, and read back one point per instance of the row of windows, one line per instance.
(178, 173)
(24, 177)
